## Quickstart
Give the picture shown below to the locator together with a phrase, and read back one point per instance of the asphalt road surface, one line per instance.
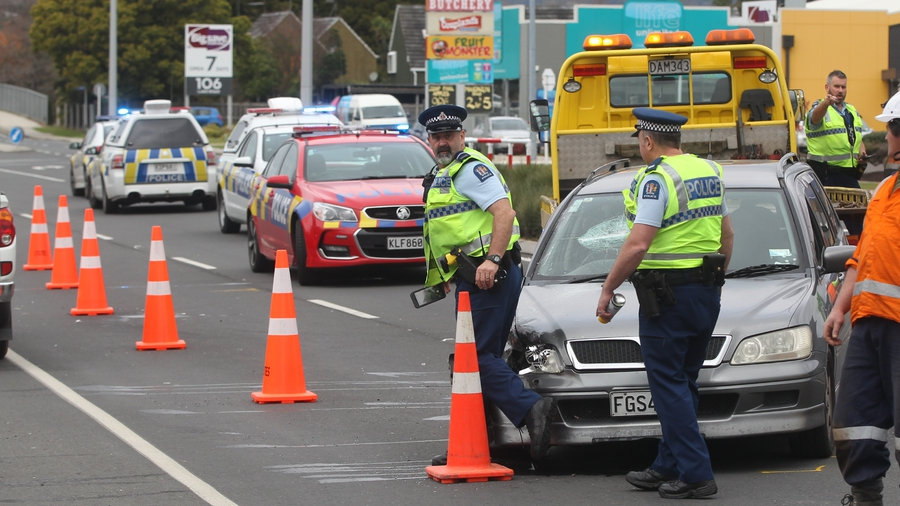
(88, 419)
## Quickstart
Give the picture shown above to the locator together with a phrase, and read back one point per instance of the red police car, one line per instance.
(338, 198)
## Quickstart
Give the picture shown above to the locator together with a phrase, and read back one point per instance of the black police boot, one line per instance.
(865, 494)
(648, 479)
(538, 422)
(680, 490)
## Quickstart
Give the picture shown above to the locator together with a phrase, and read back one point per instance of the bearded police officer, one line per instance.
(469, 218)
(675, 254)
(834, 136)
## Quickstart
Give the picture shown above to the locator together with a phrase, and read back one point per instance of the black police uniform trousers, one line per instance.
(868, 401)
(492, 316)
(673, 346)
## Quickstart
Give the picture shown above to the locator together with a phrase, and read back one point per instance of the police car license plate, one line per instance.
(404, 242)
(670, 66)
(631, 404)
(166, 168)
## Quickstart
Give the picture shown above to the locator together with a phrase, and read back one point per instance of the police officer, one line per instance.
(680, 234)
(868, 402)
(468, 206)
(834, 136)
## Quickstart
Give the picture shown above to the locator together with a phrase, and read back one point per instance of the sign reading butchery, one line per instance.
(459, 5)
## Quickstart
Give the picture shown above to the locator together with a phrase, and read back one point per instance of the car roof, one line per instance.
(345, 135)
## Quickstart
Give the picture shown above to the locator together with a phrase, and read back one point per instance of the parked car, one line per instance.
(7, 272)
(207, 115)
(767, 368)
(279, 111)
(154, 155)
(372, 111)
(509, 129)
(339, 199)
(88, 149)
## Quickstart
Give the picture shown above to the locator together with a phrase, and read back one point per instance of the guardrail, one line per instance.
(24, 102)
(491, 141)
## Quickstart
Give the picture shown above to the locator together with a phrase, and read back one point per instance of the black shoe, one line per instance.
(680, 490)
(538, 422)
(648, 479)
(439, 460)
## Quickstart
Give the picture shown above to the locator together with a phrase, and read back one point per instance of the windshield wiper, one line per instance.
(759, 270)
(588, 279)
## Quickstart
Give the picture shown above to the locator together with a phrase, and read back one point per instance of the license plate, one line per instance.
(670, 67)
(166, 168)
(404, 243)
(631, 404)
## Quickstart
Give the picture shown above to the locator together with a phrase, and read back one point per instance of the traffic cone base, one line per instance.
(470, 474)
(160, 331)
(262, 398)
(64, 275)
(172, 345)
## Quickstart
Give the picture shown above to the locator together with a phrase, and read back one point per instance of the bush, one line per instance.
(526, 185)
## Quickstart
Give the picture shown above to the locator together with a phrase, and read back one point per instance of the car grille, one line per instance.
(588, 412)
(625, 353)
(373, 242)
(390, 212)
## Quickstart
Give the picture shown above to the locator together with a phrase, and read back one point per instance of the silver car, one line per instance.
(767, 368)
(7, 272)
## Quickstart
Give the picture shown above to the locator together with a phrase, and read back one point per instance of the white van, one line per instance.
(372, 111)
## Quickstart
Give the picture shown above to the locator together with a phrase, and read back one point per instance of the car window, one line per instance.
(235, 135)
(509, 124)
(372, 160)
(271, 142)
(89, 136)
(274, 164)
(248, 148)
(383, 111)
(288, 165)
(764, 232)
(163, 133)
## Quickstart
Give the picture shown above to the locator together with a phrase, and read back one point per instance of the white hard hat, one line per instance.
(891, 109)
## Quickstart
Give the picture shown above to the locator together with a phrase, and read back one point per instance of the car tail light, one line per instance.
(210, 158)
(118, 163)
(7, 228)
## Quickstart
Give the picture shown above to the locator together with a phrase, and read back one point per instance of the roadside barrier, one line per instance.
(91, 291)
(283, 379)
(468, 454)
(490, 141)
(160, 331)
(64, 275)
(39, 253)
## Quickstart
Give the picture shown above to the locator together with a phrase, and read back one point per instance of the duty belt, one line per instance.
(681, 276)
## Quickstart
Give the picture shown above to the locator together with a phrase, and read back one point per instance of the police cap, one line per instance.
(654, 120)
(443, 118)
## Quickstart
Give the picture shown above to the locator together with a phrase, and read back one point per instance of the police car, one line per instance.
(87, 150)
(250, 145)
(335, 198)
(154, 155)
(767, 369)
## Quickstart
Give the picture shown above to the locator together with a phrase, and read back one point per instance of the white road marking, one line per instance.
(355, 472)
(338, 307)
(104, 237)
(36, 176)
(195, 263)
(168, 465)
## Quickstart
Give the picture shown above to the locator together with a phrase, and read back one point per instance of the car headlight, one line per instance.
(781, 345)
(331, 212)
(543, 358)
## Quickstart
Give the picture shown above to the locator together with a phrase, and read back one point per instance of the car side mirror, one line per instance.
(540, 115)
(75, 145)
(279, 181)
(243, 161)
(835, 257)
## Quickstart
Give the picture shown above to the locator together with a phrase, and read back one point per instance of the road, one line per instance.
(88, 419)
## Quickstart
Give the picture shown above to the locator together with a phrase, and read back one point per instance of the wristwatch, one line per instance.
(495, 258)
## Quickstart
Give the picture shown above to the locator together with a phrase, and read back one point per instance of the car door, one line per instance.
(276, 202)
(238, 179)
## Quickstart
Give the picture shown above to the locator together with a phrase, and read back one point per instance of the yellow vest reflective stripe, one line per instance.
(829, 143)
(453, 220)
(692, 222)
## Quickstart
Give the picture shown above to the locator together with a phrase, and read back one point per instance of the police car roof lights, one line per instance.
(285, 103)
(601, 42)
(736, 36)
(157, 106)
(668, 39)
(302, 130)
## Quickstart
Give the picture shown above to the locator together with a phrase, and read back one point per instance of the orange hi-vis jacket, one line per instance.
(877, 258)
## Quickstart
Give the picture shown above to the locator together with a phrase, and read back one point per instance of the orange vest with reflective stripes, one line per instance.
(877, 258)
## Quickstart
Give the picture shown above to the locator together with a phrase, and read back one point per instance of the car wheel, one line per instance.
(89, 193)
(305, 275)
(75, 191)
(226, 226)
(258, 262)
(5, 326)
(208, 203)
(819, 442)
(109, 206)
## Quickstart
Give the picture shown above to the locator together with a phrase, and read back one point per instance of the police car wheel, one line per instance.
(109, 206)
(89, 193)
(258, 262)
(75, 191)
(226, 226)
(305, 275)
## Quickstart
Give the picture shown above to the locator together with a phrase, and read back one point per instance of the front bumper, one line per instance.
(6, 291)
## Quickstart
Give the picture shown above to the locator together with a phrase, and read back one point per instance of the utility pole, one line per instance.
(113, 59)
(306, 52)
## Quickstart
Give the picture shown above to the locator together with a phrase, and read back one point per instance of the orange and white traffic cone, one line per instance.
(40, 257)
(91, 290)
(160, 332)
(468, 454)
(283, 379)
(64, 275)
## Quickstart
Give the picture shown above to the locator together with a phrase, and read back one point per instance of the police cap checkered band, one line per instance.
(443, 118)
(657, 121)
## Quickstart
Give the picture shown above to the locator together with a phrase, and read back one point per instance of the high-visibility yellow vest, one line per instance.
(452, 219)
(692, 223)
(829, 143)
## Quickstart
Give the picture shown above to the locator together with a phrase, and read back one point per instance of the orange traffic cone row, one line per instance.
(91, 291)
(468, 455)
(160, 332)
(283, 379)
(64, 275)
(39, 254)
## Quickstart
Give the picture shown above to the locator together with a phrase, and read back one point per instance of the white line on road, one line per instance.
(120, 430)
(36, 176)
(342, 308)
(195, 263)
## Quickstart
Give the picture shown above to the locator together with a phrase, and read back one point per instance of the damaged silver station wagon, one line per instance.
(767, 369)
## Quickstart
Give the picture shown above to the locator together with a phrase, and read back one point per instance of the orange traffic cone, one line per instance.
(160, 332)
(468, 455)
(63, 275)
(91, 291)
(283, 379)
(39, 253)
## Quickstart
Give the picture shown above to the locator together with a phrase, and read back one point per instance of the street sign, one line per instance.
(548, 79)
(16, 135)
(208, 50)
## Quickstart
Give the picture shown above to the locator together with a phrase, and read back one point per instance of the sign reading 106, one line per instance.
(208, 85)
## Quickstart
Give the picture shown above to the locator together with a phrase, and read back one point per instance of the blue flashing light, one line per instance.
(122, 111)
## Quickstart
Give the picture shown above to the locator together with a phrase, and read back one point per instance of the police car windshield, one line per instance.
(371, 160)
(163, 133)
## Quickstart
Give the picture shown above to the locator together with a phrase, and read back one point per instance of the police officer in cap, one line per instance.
(468, 206)
(678, 247)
